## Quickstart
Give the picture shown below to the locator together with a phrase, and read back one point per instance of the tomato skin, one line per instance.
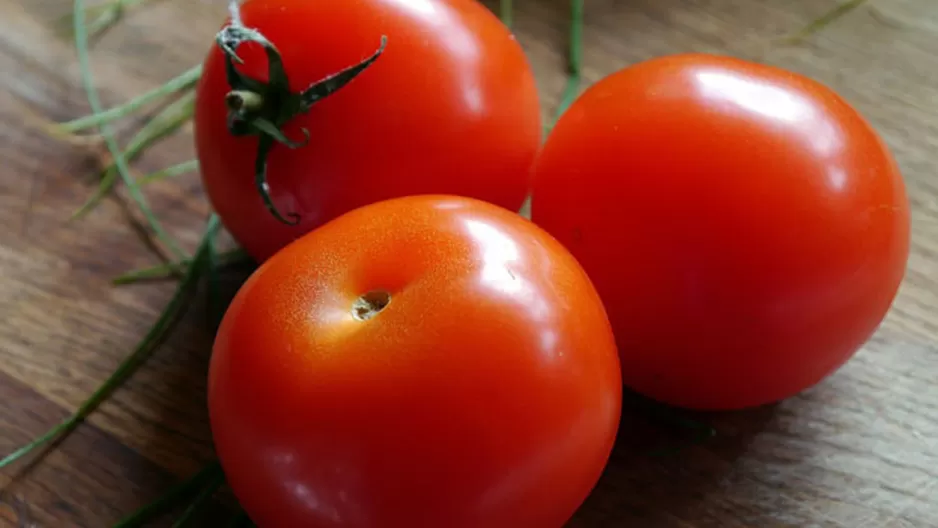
(450, 107)
(486, 394)
(747, 229)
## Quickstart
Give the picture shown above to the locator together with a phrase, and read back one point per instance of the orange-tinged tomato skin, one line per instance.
(486, 394)
(450, 107)
(746, 227)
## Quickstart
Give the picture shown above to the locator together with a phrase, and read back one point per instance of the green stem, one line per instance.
(170, 119)
(130, 364)
(204, 496)
(171, 497)
(570, 93)
(263, 108)
(110, 14)
(576, 37)
(823, 21)
(104, 16)
(170, 269)
(186, 80)
(214, 309)
(81, 43)
(506, 12)
(170, 172)
(574, 64)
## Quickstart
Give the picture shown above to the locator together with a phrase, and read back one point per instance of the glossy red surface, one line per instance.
(745, 226)
(450, 107)
(485, 394)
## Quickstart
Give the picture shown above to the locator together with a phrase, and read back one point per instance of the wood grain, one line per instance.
(860, 450)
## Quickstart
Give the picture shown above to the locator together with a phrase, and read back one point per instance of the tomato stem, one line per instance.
(262, 109)
(243, 101)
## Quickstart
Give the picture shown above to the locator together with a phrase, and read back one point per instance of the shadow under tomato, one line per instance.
(666, 463)
(662, 461)
(179, 370)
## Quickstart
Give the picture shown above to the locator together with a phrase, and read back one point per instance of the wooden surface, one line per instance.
(858, 451)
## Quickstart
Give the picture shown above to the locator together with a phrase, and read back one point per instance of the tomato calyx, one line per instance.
(257, 108)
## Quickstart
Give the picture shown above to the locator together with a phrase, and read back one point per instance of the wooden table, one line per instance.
(859, 451)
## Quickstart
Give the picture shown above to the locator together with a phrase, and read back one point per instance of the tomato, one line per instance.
(450, 107)
(424, 362)
(745, 226)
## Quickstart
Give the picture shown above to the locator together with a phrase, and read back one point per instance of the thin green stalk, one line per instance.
(189, 514)
(169, 269)
(170, 498)
(186, 80)
(823, 21)
(170, 119)
(81, 44)
(506, 12)
(130, 364)
(576, 37)
(109, 14)
(574, 63)
(103, 17)
(570, 93)
(170, 172)
(214, 309)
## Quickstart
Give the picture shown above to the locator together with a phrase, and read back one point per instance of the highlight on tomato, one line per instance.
(746, 227)
(424, 361)
(309, 109)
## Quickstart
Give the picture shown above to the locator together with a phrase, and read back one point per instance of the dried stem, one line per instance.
(823, 21)
(186, 80)
(170, 119)
(81, 44)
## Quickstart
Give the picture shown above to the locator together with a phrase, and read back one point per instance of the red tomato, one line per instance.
(423, 362)
(450, 107)
(746, 228)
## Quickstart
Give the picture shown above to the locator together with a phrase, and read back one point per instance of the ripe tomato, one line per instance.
(420, 362)
(449, 107)
(746, 228)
